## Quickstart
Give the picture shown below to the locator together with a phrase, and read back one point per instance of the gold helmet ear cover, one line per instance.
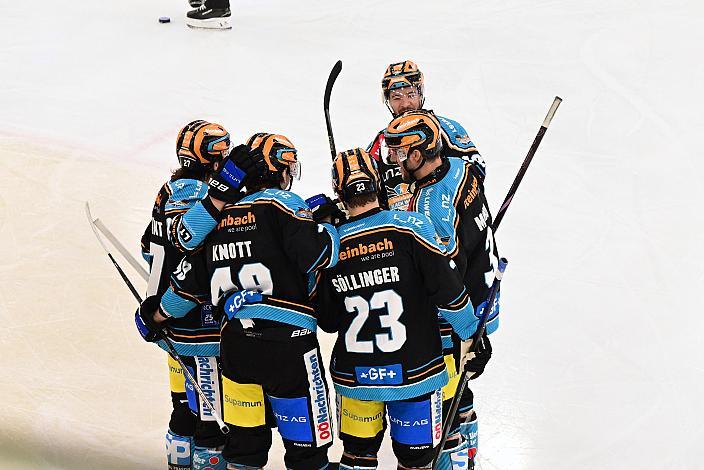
(354, 173)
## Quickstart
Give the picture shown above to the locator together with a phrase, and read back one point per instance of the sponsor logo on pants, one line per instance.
(318, 399)
(207, 378)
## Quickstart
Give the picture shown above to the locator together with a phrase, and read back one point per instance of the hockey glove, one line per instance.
(475, 362)
(144, 319)
(226, 183)
(235, 301)
(326, 210)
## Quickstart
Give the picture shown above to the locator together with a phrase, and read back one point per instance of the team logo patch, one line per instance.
(304, 213)
(207, 316)
(380, 375)
(292, 417)
(184, 234)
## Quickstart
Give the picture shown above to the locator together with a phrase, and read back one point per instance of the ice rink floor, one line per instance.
(598, 363)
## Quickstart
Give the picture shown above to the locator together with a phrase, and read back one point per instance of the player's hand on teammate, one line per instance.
(144, 319)
(226, 183)
(326, 210)
(475, 362)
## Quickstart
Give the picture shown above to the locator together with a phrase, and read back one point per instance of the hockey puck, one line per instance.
(164, 19)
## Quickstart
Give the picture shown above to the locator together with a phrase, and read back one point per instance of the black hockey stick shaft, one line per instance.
(464, 378)
(169, 345)
(336, 69)
(526, 162)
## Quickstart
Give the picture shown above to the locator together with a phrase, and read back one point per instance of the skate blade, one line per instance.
(212, 23)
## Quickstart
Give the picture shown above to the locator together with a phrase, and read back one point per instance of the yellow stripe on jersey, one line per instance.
(177, 379)
(244, 404)
(358, 418)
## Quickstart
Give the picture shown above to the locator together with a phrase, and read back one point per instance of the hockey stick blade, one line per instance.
(526, 162)
(336, 69)
(121, 248)
(124, 277)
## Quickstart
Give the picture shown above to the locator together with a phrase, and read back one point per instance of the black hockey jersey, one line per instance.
(383, 299)
(196, 333)
(266, 242)
(452, 197)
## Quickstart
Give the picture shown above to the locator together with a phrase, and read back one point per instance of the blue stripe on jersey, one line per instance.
(287, 200)
(279, 314)
(395, 392)
(417, 368)
(447, 342)
(174, 305)
(463, 320)
(198, 223)
(335, 237)
(192, 350)
(417, 223)
(436, 201)
(464, 289)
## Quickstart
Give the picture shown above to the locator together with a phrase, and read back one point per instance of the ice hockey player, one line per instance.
(383, 299)
(403, 90)
(193, 438)
(452, 196)
(209, 14)
(255, 266)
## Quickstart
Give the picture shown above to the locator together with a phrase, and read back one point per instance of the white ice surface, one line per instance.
(598, 363)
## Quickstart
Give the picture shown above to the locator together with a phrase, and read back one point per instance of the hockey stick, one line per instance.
(336, 69)
(117, 266)
(116, 243)
(455, 403)
(169, 345)
(524, 167)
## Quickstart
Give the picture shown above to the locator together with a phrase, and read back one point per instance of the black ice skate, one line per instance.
(210, 18)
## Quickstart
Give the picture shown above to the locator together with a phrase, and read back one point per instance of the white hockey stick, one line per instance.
(116, 243)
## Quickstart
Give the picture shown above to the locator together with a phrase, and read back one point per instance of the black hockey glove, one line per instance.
(325, 209)
(227, 182)
(475, 362)
(143, 318)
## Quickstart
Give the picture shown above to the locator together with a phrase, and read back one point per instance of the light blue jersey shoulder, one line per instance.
(460, 144)
(437, 202)
(286, 200)
(456, 134)
(414, 222)
(185, 193)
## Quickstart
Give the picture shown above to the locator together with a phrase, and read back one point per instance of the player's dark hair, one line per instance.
(183, 173)
(359, 201)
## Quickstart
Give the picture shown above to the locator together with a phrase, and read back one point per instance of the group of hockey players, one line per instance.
(398, 265)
